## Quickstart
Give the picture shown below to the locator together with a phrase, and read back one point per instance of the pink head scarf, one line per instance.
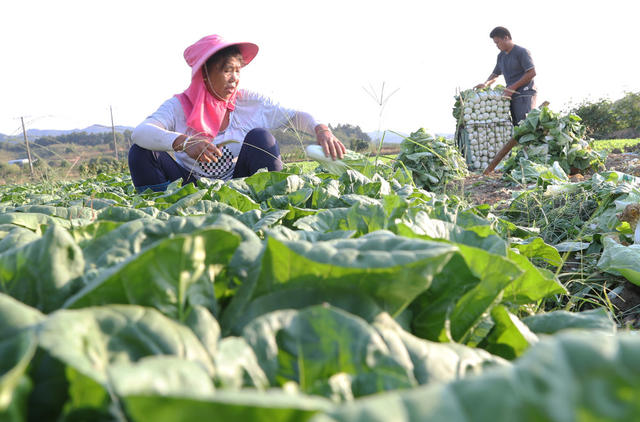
(203, 111)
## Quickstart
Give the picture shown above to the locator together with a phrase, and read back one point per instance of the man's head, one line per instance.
(502, 37)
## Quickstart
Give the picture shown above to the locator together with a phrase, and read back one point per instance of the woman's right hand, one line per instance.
(198, 148)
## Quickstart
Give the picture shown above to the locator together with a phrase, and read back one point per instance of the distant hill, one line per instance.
(36, 133)
(389, 137)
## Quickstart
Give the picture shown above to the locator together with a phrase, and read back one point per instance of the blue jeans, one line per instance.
(155, 170)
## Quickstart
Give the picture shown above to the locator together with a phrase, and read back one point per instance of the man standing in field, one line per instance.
(515, 63)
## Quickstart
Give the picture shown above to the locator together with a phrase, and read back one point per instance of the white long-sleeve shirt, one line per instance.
(158, 131)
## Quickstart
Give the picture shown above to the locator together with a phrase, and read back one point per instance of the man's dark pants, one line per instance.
(520, 106)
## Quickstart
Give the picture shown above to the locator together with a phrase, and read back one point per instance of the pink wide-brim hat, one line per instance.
(198, 53)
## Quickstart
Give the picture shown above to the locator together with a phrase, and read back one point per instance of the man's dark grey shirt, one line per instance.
(513, 66)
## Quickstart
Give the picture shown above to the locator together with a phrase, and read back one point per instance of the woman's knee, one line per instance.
(137, 153)
(260, 137)
(142, 163)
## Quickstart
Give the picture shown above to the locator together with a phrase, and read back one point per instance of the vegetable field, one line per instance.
(291, 296)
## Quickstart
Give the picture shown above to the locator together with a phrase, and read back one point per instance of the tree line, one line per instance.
(607, 119)
(352, 136)
(123, 139)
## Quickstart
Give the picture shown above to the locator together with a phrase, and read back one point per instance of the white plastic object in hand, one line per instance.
(315, 152)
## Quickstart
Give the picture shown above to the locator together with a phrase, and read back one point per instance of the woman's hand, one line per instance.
(198, 148)
(331, 145)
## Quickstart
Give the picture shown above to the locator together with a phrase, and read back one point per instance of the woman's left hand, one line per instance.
(331, 145)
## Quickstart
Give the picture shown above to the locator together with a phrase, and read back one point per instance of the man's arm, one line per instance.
(526, 78)
(490, 80)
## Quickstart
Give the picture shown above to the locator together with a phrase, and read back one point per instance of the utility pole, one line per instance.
(26, 141)
(113, 130)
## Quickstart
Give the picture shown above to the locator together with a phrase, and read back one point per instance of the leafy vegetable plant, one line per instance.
(433, 162)
(297, 296)
(546, 137)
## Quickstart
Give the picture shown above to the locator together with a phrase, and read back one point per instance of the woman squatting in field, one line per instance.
(216, 130)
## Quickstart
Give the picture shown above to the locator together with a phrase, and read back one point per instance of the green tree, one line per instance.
(598, 118)
(604, 117)
(627, 110)
(359, 145)
(352, 136)
(127, 137)
(348, 132)
(119, 141)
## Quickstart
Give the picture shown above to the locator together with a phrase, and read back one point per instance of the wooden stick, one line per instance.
(500, 155)
(26, 141)
(113, 131)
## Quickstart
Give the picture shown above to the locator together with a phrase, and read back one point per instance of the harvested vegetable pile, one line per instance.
(432, 161)
(483, 125)
(545, 137)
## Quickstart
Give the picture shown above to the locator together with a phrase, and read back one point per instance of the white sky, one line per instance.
(63, 63)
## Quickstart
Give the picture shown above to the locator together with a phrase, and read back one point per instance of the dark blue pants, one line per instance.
(155, 170)
(521, 105)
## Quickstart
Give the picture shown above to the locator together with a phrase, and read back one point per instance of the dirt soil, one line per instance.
(490, 189)
(627, 302)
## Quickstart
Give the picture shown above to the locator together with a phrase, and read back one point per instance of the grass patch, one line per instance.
(609, 145)
(308, 166)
